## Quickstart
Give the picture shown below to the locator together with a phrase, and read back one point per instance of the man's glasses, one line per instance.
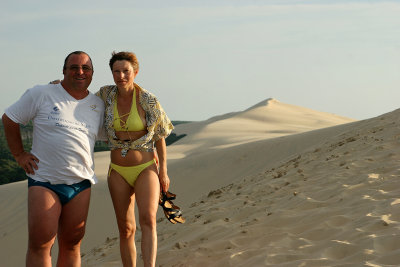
(76, 68)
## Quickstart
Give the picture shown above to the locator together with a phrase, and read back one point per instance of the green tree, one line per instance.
(9, 170)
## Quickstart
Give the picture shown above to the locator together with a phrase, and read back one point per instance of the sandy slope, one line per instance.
(334, 203)
(330, 198)
(260, 187)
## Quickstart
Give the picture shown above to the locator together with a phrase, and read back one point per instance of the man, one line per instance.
(67, 119)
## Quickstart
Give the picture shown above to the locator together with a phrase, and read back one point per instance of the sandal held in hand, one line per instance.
(171, 211)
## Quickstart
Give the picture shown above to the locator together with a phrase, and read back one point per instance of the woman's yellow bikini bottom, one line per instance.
(130, 173)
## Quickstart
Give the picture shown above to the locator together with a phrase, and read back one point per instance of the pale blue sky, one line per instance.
(207, 58)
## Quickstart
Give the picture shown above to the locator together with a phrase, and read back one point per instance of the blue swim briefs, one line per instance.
(64, 192)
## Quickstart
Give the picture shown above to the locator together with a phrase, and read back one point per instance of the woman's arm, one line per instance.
(162, 158)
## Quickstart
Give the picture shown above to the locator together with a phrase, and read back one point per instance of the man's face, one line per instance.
(78, 72)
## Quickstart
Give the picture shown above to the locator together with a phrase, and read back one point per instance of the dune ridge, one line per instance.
(267, 119)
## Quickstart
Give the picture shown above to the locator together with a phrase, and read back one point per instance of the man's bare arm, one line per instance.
(25, 160)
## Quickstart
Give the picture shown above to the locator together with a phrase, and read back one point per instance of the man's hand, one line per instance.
(27, 161)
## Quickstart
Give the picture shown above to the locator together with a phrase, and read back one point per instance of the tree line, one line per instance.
(9, 169)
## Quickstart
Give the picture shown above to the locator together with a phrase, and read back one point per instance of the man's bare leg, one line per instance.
(44, 209)
(72, 229)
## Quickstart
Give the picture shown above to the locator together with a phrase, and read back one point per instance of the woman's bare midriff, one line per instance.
(134, 157)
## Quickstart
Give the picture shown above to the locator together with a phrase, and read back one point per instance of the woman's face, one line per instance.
(123, 74)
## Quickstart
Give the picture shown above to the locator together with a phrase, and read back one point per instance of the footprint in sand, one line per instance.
(386, 243)
(340, 249)
(337, 221)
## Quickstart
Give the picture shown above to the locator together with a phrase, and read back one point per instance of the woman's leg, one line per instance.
(147, 191)
(124, 204)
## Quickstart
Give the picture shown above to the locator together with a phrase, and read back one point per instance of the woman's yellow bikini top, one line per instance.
(133, 122)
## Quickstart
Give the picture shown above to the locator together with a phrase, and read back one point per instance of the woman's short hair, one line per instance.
(128, 56)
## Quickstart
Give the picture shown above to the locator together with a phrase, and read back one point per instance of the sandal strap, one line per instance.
(171, 210)
(174, 215)
(168, 196)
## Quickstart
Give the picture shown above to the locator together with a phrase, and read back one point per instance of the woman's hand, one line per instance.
(164, 181)
(55, 82)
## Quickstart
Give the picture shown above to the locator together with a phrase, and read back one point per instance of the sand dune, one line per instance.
(267, 119)
(274, 185)
(336, 203)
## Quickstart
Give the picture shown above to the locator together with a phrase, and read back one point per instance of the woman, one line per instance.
(134, 122)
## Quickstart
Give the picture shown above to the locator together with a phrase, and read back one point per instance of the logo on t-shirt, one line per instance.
(94, 108)
(55, 111)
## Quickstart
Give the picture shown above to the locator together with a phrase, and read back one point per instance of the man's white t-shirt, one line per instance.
(64, 132)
